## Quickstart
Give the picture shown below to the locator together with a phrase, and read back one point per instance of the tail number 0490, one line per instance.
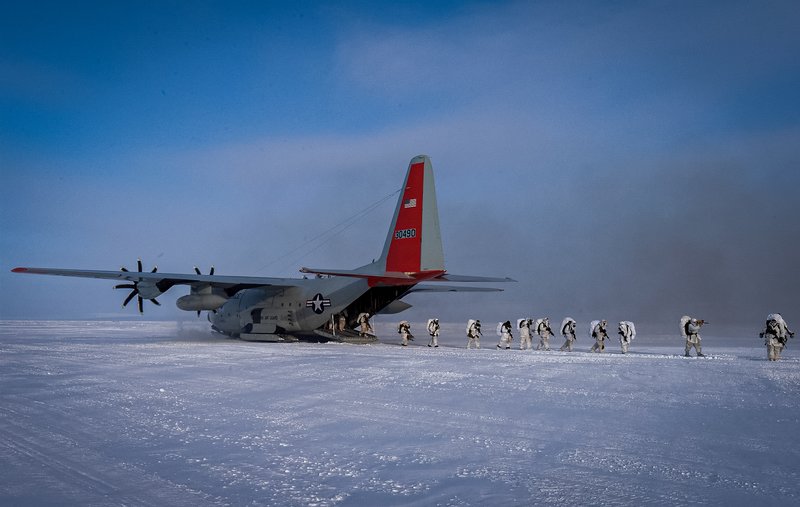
(405, 234)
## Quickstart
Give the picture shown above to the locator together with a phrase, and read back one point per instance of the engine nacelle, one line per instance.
(148, 289)
(201, 302)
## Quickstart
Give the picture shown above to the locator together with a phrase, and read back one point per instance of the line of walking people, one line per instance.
(528, 328)
(776, 334)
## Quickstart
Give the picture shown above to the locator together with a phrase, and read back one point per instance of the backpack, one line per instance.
(628, 329)
(592, 325)
(564, 323)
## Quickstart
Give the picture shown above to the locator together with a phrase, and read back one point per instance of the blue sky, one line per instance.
(632, 160)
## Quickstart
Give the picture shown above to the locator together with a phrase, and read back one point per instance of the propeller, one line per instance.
(134, 286)
(210, 273)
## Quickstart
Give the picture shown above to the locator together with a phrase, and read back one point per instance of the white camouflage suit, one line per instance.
(776, 334)
(473, 333)
(597, 330)
(690, 329)
(433, 330)
(363, 322)
(504, 332)
(627, 332)
(544, 332)
(404, 328)
(524, 326)
(568, 326)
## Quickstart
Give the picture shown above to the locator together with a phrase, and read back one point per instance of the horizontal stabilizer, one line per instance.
(392, 277)
(451, 288)
(375, 277)
(353, 273)
(447, 277)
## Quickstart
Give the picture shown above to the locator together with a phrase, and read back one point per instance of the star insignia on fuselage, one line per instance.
(318, 303)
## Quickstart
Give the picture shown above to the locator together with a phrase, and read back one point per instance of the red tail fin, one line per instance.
(414, 243)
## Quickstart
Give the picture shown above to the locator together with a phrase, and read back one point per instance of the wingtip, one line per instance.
(19, 270)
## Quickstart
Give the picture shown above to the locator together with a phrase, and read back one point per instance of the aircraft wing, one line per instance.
(164, 281)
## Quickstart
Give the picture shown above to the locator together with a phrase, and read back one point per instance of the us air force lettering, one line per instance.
(326, 307)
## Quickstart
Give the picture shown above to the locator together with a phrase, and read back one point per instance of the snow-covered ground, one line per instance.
(143, 413)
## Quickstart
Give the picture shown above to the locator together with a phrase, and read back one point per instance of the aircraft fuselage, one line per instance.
(300, 310)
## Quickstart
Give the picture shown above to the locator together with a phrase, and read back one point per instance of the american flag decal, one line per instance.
(410, 203)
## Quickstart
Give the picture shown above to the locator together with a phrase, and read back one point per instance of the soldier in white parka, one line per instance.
(524, 326)
(473, 333)
(776, 334)
(404, 328)
(363, 322)
(504, 332)
(597, 330)
(542, 327)
(690, 329)
(433, 330)
(568, 326)
(627, 332)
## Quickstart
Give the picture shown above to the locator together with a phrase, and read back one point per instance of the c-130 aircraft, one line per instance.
(290, 309)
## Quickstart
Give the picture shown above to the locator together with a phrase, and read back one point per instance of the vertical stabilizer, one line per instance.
(414, 242)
